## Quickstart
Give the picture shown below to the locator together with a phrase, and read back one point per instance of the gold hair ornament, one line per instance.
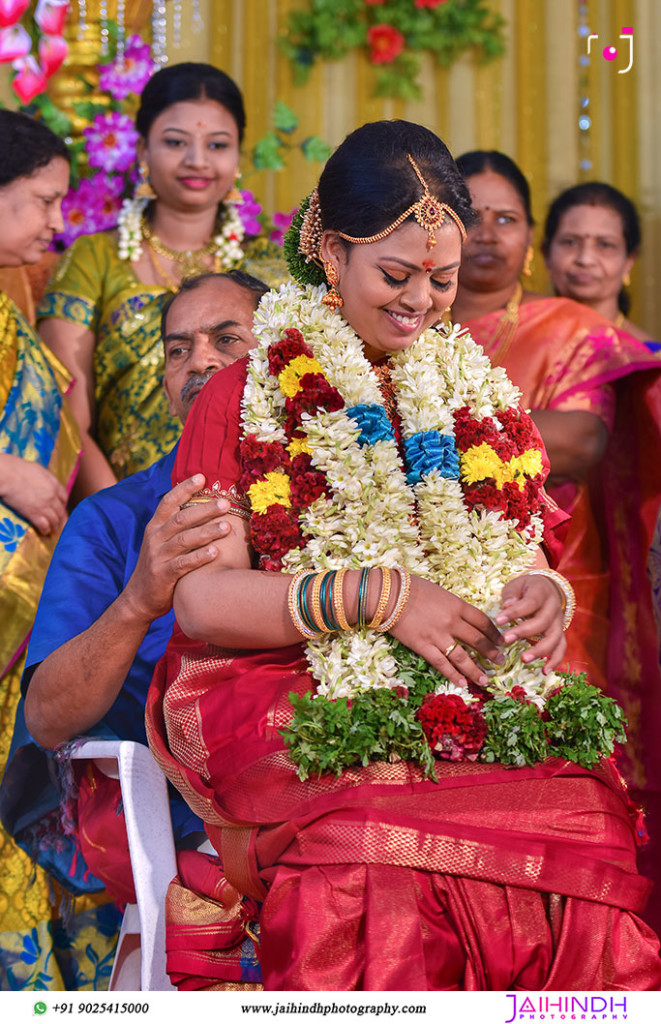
(429, 213)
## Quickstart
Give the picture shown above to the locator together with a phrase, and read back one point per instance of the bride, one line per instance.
(420, 823)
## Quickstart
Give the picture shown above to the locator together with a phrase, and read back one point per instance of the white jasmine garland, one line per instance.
(228, 240)
(370, 520)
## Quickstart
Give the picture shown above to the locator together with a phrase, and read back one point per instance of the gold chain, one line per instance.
(191, 261)
(506, 327)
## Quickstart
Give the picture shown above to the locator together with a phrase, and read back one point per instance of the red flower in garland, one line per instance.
(307, 483)
(292, 344)
(273, 534)
(521, 429)
(385, 42)
(259, 458)
(315, 394)
(454, 730)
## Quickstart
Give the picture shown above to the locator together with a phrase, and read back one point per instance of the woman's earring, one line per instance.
(234, 195)
(528, 261)
(144, 189)
(626, 281)
(332, 299)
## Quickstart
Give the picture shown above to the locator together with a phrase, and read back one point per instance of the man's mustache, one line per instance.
(195, 382)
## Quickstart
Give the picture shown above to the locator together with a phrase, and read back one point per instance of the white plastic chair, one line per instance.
(140, 957)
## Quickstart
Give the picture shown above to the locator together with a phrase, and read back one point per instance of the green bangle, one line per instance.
(361, 616)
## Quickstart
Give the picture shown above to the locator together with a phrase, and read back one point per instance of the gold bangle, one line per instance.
(402, 599)
(315, 601)
(292, 604)
(383, 599)
(566, 592)
(338, 601)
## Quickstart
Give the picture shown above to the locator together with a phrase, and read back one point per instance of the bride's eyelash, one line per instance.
(396, 282)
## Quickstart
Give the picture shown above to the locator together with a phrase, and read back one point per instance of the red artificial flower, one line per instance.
(316, 393)
(454, 730)
(520, 429)
(385, 42)
(291, 344)
(273, 534)
(429, 3)
(259, 458)
(306, 483)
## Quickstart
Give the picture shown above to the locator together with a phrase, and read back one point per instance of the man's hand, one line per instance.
(176, 541)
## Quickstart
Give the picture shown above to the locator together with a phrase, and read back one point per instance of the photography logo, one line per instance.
(585, 1007)
(611, 53)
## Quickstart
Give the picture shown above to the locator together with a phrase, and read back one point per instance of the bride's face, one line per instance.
(396, 288)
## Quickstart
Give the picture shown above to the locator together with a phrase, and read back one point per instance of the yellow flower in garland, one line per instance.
(272, 490)
(299, 446)
(290, 378)
(481, 462)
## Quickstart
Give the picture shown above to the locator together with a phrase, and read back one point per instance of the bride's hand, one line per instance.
(435, 623)
(531, 609)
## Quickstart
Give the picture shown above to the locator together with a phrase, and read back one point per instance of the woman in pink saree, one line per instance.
(389, 510)
(595, 395)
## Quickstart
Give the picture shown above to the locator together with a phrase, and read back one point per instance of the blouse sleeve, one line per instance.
(211, 438)
(75, 291)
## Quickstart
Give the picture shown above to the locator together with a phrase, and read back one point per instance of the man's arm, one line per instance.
(76, 685)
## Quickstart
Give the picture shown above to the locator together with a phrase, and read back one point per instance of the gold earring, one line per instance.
(528, 261)
(234, 195)
(144, 189)
(332, 299)
(626, 280)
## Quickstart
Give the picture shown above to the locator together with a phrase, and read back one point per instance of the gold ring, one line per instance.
(448, 650)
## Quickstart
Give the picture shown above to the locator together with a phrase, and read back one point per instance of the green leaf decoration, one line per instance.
(266, 153)
(315, 148)
(330, 29)
(284, 118)
(300, 270)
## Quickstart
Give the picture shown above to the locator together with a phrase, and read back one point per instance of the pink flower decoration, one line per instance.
(132, 74)
(111, 141)
(249, 211)
(11, 11)
(52, 51)
(14, 43)
(30, 80)
(81, 210)
(281, 224)
(51, 15)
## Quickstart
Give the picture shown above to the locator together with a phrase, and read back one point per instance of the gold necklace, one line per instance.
(191, 261)
(501, 338)
(619, 320)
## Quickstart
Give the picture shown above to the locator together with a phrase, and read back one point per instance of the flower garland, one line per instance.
(328, 487)
(228, 240)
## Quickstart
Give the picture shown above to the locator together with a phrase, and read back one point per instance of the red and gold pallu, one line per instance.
(565, 357)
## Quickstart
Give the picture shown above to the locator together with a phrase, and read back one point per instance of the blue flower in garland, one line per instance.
(373, 422)
(427, 450)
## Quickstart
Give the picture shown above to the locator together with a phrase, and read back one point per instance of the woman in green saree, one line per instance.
(101, 313)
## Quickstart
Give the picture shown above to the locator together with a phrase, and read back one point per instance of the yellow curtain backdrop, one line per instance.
(526, 104)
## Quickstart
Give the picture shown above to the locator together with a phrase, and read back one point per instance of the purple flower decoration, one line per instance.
(111, 141)
(281, 225)
(132, 74)
(249, 210)
(93, 206)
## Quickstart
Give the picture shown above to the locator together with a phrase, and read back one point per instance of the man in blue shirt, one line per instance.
(105, 614)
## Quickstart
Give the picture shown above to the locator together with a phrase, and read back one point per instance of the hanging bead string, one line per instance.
(103, 27)
(196, 17)
(584, 118)
(176, 23)
(82, 18)
(159, 25)
(121, 30)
